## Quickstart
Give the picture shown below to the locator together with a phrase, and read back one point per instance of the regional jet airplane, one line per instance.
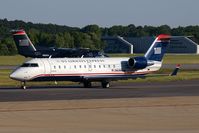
(26, 48)
(87, 70)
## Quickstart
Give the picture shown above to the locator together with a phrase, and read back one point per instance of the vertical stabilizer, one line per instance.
(157, 50)
(23, 43)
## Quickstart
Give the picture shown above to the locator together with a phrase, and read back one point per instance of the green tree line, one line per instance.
(51, 35)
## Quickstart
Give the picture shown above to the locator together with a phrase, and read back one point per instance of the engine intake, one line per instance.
(138, 62)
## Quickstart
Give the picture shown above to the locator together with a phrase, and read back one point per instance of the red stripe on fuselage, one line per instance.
(90, 74)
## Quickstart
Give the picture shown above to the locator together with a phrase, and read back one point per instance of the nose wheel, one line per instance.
(23, 85)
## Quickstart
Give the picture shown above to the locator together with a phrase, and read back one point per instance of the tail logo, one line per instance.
(23, 42)
(157, 50)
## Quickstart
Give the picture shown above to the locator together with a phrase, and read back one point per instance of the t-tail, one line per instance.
(154, 56)
(24, 46)
(158, 49)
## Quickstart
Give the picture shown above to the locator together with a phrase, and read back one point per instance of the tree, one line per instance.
(47, 40)
(34, 35)
(69, 40)
(116, 30)
(12, 49)
(4, 49)
(140, 32)
(92, 29)
(51, 35)
(60, 41)
(164, 29)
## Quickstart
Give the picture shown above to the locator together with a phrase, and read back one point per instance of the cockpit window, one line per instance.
(34, 65)
(25, 65)
(30, 65)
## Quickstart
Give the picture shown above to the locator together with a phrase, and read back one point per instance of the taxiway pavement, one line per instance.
(117, 90)
(124, 108)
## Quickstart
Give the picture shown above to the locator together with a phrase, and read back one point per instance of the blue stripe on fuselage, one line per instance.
(82, 78)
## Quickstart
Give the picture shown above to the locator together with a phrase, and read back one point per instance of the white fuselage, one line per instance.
(49, 69)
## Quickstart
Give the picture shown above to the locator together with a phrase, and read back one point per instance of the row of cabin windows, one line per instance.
(87, 66)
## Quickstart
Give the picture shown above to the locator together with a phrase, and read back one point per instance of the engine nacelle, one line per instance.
(138, 62)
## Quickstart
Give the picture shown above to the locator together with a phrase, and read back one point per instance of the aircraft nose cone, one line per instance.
(15, 76)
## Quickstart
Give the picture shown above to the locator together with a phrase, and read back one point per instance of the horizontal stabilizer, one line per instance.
(175, 71)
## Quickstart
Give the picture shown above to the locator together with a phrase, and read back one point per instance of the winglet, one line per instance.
(175, 71)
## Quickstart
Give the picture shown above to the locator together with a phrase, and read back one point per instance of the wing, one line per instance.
(123, 77)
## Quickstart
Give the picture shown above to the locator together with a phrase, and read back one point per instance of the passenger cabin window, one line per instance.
(30, 65)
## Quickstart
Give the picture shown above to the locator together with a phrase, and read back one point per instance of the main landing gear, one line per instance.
(105, 84)
(23, 85)
(88, 84)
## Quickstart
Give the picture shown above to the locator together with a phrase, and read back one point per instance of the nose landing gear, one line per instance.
(23, 85)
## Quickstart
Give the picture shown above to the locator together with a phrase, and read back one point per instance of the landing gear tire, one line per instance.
(105, 84)
(87, 84)
(23, 85)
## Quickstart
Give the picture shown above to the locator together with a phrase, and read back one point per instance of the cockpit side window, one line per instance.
(34, 65)
(25, 65)
(30, 65)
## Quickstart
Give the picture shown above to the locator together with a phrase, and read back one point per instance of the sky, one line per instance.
(105, 13)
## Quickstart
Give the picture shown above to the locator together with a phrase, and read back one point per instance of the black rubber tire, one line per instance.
(87, 84)
(105, 84)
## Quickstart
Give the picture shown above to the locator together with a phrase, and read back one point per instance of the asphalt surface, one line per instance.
(165, 66)
(117, 90)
